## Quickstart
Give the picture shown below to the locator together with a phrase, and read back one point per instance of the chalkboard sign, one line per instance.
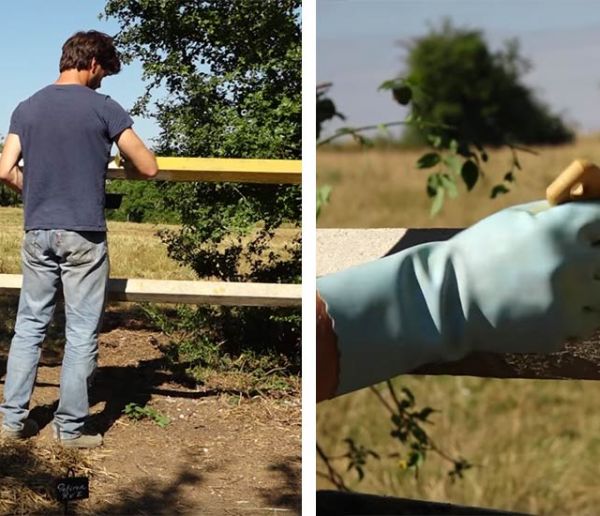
(72, 488)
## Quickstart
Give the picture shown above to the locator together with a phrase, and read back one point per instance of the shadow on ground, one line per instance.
(30, 473)
(287, 495)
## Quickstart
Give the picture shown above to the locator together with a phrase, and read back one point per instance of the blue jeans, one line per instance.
(80, 261)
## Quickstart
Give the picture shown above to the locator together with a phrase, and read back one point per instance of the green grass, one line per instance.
(136, 412)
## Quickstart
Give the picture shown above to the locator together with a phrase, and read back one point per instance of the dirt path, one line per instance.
(220, 454)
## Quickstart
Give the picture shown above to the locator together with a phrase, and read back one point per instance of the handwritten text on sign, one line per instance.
(72, 488)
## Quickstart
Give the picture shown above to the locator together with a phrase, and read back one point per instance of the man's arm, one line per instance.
(140, 162)
(10, 173)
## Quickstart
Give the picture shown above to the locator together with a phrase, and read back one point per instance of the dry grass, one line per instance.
(29, 473)
(383, 188)
(535, 443)
(135, 250)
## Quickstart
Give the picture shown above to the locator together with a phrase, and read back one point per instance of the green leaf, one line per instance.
(325, 109)
(433, 184)
(384, 131)
(509, 176)
(424, 413)
(449, 185)
(453, 164)
(361, 473)
(516, 161)
(431, 159)
(409, 395)
(435, 140)
(402, 95)
(498, 190)
(469, 173)
(438, 203)
(391, 84)
(420, 435)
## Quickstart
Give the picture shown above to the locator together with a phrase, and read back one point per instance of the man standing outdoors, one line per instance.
(64, 133)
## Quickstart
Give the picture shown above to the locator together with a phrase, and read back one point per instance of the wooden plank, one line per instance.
(272, 171)
(267, 171)
(341, 248)
(187, 292)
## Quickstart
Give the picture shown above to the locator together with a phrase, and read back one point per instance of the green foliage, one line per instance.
(325, 108)
(9, 197)
(144, 201)
(454, 156)
(414, 443)
(195, 353)
(323, 195)
(231, 73)
(357, 456)
(456, 81)
(136, 412)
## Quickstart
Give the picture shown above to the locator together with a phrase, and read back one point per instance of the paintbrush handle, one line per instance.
(579, 181)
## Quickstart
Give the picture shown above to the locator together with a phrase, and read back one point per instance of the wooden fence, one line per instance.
(202, 292)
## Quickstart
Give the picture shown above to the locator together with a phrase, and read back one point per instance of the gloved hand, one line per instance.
(522, 280)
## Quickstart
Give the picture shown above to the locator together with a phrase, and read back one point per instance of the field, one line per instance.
(383, 188)
(195, 449)
(534, 444)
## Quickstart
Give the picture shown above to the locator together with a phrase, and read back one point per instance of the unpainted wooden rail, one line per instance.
(186, 292)
(264, 171)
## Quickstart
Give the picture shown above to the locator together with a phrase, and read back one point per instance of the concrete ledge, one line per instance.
(341, 248)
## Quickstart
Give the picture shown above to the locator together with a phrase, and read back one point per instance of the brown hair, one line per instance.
(81, 47)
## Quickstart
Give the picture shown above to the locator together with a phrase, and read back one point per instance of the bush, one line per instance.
(232, 83)
(457, 81)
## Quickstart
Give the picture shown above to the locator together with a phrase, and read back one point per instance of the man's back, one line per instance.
(66, 133)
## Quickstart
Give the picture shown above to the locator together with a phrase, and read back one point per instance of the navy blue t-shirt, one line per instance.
(66, 133)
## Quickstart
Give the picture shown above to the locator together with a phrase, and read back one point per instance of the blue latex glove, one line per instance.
(522, 280)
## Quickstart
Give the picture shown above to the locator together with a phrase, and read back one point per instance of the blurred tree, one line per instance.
(457, 81)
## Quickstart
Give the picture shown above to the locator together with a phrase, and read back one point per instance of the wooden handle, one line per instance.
(579, 181)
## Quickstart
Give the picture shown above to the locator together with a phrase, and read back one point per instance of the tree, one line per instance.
(232, 76)
(460, 83)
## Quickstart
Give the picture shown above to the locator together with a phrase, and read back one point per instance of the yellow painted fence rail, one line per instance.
(266, 171)
(278, 171)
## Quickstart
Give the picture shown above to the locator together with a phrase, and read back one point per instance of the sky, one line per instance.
(32, 35)
(357, 49)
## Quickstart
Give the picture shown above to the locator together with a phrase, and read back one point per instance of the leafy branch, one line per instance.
(407, 423)
(456, 158)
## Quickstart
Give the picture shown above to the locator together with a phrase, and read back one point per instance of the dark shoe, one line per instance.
(30, 428)
(83, 441)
